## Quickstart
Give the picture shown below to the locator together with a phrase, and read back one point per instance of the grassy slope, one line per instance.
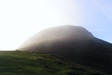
(24, 63)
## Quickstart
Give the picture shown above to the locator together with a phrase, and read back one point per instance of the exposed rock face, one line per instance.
(72, 42)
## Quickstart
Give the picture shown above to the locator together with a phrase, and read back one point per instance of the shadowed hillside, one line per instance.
(25, 63)
(73, 43)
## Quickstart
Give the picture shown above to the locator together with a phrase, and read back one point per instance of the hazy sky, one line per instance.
(20, 19)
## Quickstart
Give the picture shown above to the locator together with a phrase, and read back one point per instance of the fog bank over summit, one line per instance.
(55, 36)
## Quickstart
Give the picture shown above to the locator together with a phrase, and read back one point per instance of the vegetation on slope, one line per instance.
(27, 63)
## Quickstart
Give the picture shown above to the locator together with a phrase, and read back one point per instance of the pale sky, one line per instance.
(20, 19)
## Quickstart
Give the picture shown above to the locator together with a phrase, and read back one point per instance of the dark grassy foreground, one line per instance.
(27, 63)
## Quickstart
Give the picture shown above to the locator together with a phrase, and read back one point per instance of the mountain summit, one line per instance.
(57, 36)
(74, 43)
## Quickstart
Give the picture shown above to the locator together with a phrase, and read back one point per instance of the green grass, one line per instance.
(27, 63)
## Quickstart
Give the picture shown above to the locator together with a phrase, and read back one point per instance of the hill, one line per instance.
(30, 63)
(74, 43)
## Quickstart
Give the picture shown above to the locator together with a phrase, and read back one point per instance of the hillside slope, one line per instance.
(74, 43)
(29, 63)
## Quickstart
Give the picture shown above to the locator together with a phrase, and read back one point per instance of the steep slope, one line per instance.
(74, 43)
(25, 63)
